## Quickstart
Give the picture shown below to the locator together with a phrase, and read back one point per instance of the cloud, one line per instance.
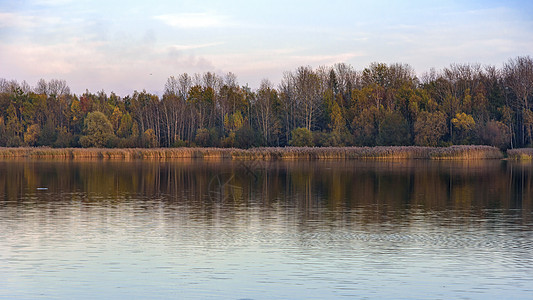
(327, 59)
(173, 58)
(279, 58)
(194, 20)
(60, 58)
(97, 65)
(254, 66)
(52, 2)
(194, 46)
(15, 20)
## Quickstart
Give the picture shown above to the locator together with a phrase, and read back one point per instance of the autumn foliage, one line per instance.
(337, 106)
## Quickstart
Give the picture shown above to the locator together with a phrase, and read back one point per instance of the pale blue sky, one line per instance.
(116, 45)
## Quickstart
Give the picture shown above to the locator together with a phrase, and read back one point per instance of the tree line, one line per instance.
(383, 104)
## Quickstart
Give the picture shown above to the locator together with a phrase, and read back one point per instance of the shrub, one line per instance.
(206, 137)
(14, 141)
(331, 139)
(429, 128)
(64, 139)
(98, 130)
(229, 141)
(149, 139)
(495, 133)
(130, 142)
(393, 130)
(179, 143)
(321, 139)
(463, 123)
(48, 134)
(31, 136)
(301, 137)
(245, 137)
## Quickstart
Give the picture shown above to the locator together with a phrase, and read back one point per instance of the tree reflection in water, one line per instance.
(379, 190)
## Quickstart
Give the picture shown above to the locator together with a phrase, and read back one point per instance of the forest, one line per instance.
(381, 105)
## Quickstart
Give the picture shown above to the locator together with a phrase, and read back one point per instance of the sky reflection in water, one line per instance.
(263, 230)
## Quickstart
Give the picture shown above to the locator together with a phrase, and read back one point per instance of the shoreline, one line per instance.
(272, 153)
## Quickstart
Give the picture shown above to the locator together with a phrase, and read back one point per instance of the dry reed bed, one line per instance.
(270, 153)
(122, 154)
(520, 154)
(381, 152)
(467, 152)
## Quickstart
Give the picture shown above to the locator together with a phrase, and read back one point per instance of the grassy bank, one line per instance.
(271, 153)
(520, 154)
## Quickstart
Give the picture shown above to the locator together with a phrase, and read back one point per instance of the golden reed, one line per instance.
(266, 153)
(520, 154)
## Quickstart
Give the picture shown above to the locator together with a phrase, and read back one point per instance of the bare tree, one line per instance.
(347, 79)
(172, 109)
(42, 87)
(171, 86)
(264, 110)
(184, 85)
(308, 88)
(287, 96)
(25, 87)
(519, 79)
(58, 87)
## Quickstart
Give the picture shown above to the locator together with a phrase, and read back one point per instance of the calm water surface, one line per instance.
(259, 230)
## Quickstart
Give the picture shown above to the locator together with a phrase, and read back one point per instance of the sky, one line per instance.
(123, 46)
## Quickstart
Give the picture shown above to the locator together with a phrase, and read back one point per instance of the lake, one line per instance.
(196, 229)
